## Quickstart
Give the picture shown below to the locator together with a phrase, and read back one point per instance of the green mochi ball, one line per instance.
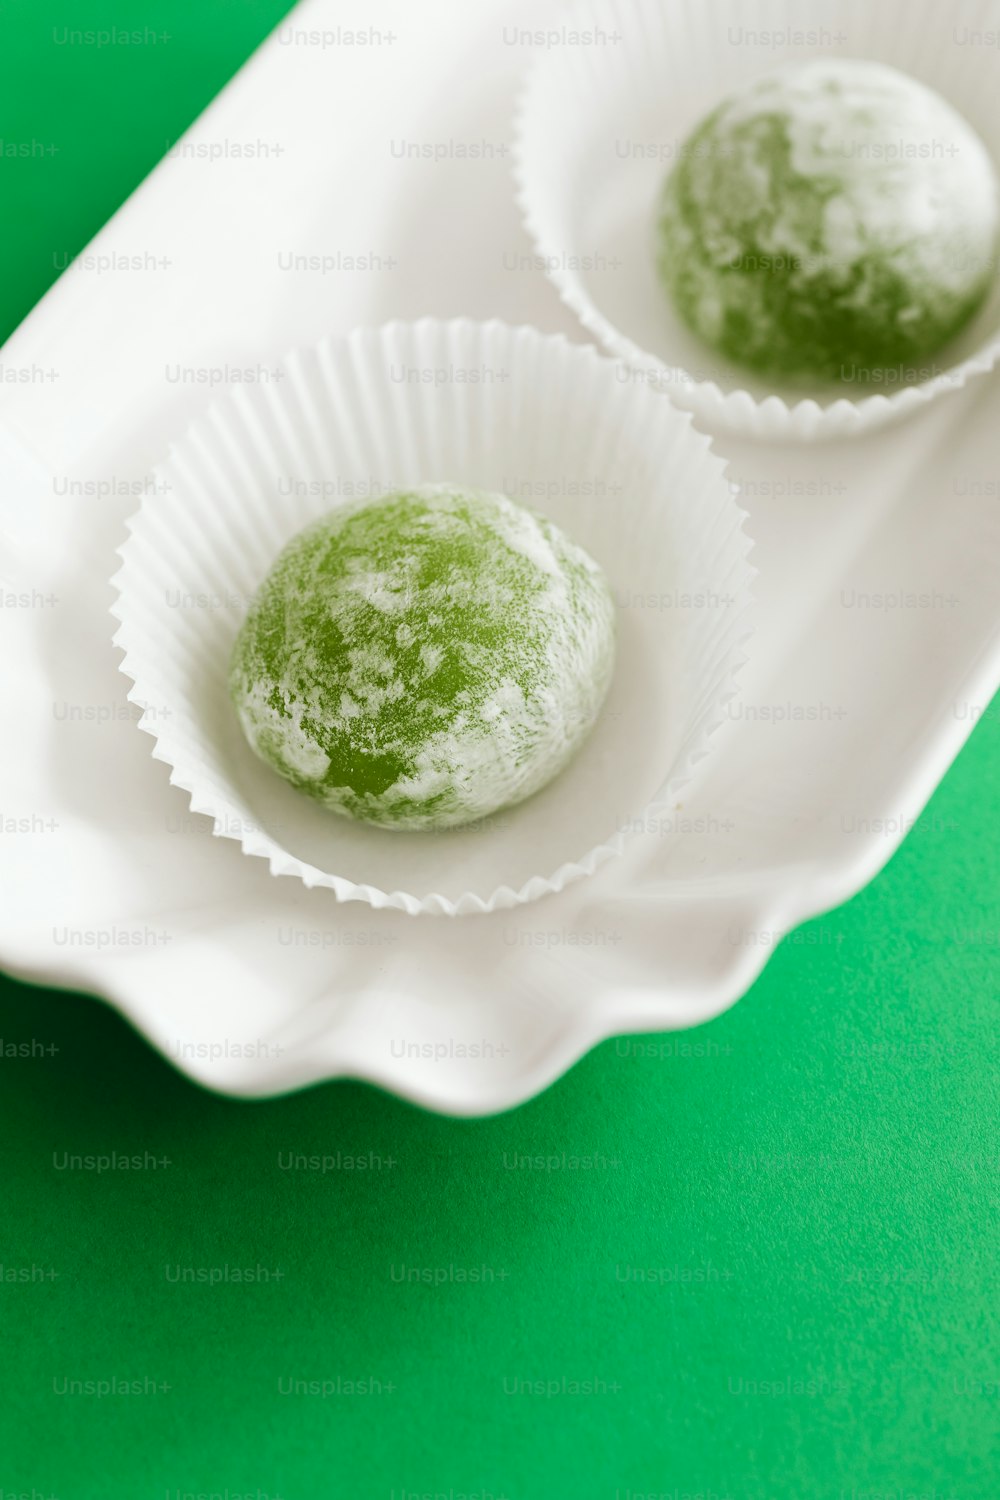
(834, 219)
(423, 660)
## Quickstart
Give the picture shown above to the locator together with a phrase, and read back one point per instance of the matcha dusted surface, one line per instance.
(423, 660)
(831, 220)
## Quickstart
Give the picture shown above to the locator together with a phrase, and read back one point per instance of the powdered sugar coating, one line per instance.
(423, 660)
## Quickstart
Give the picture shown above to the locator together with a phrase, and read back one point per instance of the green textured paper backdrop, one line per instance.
(812, 1178)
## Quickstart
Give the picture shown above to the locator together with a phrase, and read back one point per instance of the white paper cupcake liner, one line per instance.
(599, 126)
(487, 406)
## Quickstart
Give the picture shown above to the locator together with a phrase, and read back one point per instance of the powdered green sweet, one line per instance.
(830, 220)
(423, 660)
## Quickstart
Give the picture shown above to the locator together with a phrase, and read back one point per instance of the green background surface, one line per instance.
(778, 1273)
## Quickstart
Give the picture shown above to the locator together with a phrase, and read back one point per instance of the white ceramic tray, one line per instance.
(877, 643)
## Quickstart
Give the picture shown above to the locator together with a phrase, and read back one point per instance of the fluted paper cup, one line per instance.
(480, 405)
(599, 125)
